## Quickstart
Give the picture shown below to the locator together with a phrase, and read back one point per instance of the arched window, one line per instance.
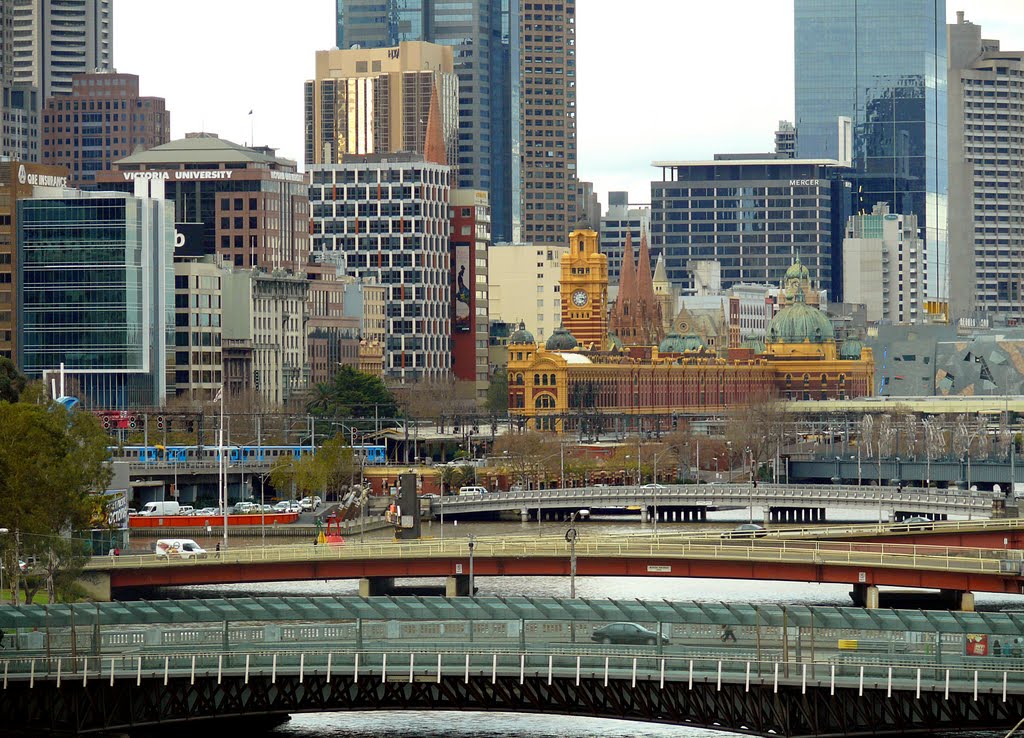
(536, 379)
(789, 380)
(552, 380)
(807, 380)
(544, 379)
(519, 379)
(824, 380)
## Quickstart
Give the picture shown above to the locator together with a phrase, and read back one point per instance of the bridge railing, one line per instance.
(887, 555)
(487, 663)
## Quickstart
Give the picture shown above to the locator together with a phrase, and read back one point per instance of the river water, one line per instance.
(500, 725)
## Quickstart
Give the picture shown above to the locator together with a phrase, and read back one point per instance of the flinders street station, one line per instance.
(624, 362)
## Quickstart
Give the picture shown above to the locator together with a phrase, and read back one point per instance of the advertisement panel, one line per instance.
(462, 296)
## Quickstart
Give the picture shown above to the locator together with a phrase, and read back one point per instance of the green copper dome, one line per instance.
(615, 341)
(753, 343)
(676, 344)
(850, 349)
(798, 323)
(561, 340)
(522, 335)
(797, 271)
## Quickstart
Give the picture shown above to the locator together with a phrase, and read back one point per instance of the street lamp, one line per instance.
(570, 536)
(472, 543)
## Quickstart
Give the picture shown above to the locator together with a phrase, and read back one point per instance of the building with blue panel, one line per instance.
(882, 65)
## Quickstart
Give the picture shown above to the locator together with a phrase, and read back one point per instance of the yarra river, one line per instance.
(502, 725)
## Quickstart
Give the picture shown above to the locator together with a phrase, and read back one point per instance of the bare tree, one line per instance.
(758, 430)
(526, 456)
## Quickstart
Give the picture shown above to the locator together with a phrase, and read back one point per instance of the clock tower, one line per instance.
(584, 289)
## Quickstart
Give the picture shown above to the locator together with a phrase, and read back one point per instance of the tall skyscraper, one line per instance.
(483, 34)
(375, 101)
(547, 40)
(986, 175)
(43, 44)
(110, 121)
(883, 65)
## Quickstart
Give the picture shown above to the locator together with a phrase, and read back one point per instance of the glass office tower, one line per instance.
(883, 65)
(486, 63)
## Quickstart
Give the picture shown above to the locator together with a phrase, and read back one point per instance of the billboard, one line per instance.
(188, 241)
(462, 296)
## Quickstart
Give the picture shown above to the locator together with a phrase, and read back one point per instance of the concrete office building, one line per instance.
(364, 300)
(484, 35)
(885, 266)
(246, 205)
(547, 37)
(18, 181)
(753, 214)
(386, 217)
(621, 219)
(470, 243)
(986, 175)
(882, 65)
(43, 44)
(95, 286)
(785, 139)
(376, 101)
(198, 328)
(20, 112)
(529, 288)
(102, 119)
(264, 334)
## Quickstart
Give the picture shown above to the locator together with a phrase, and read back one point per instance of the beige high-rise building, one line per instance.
(548, 121)
(377, 101)
(986, 175)
(526, 286)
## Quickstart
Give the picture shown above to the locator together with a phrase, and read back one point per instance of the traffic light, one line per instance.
(133, 422)
(106, 422)
(191, 426)
(159, 422)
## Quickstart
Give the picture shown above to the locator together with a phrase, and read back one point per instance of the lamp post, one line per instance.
(570, 536)
(3, 532)
(751, 508)
(472, 543)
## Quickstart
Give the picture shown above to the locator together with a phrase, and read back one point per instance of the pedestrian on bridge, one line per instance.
(728, 634)
(216, 554)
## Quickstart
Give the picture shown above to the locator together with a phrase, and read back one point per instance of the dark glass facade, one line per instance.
(752, 216)
(883, 65)
(486, 63)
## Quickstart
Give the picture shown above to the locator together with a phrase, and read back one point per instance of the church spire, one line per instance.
(627, 274)
(433, 144)
(644, 283)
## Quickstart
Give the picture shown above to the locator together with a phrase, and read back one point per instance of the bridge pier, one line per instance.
(796, 515)
(376, 586)
(457, 586)
(957, 600)
(96, 585)
(865, 595)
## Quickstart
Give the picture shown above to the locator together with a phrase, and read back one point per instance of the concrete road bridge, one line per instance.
(785, 671)
(864, 565)
(684, 502)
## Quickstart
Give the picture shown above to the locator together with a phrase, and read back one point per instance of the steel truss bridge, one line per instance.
(679, 501)
(792, 671)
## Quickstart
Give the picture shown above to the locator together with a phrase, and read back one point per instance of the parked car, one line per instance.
(627, 633)
(913, 523)
(317, 502)
(207, 512)
(283, 506)
(244, 507)
(746, 530)
(294, 506)
(653, 486)
(306, 503)
(186, 510)
(160, 508)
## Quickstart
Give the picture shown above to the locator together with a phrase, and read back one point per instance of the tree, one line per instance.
(12, 382)
(761, 426)
(497, 394)
(52, 465)
(353, 394)
(526, 456)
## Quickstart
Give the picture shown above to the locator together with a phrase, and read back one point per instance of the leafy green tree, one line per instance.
(352, 394)
(12, 382)
(330, 470)
(497, 394)
(52, 465)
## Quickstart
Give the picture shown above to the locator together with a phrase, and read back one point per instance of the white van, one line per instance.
(472, 490)
(160, 508)
(183, 548)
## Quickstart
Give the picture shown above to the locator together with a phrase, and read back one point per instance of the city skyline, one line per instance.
(276, 52)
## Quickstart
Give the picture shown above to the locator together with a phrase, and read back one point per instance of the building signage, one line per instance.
(287, 176)
(805, 183)
(187, 174)
(40, 180)
(188, 240)
(655, 569)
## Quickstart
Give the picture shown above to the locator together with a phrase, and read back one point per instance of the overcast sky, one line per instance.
(657, 79)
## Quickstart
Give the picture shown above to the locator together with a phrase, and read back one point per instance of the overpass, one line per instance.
(792, 671)
(785, 502)
(863, 565)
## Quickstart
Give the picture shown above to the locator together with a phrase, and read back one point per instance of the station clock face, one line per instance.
(579, 298)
